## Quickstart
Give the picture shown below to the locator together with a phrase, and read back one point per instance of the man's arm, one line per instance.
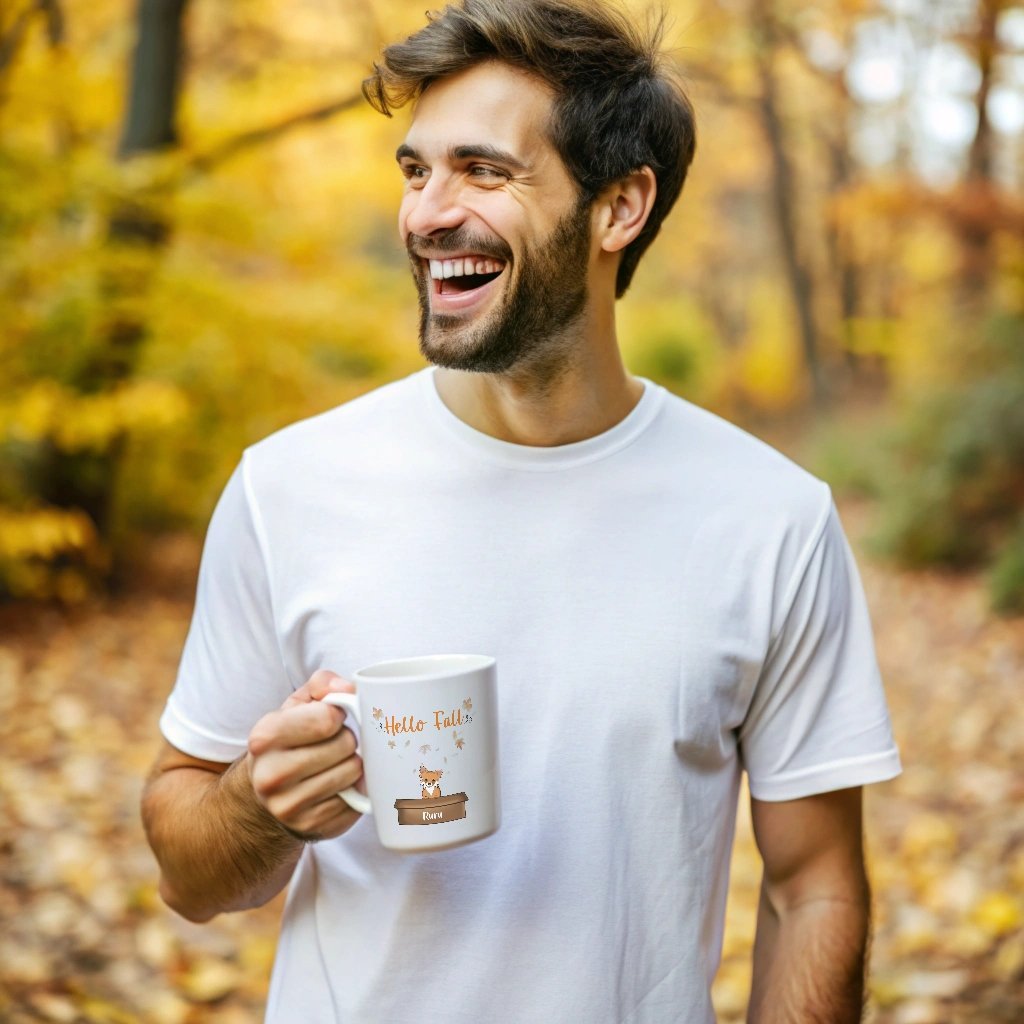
(227, 837)
(813, 919)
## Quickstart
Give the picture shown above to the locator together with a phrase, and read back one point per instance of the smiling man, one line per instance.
(671, 602)
(497, 232)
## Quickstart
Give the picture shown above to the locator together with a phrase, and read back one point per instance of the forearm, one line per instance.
(218, 848)
(809, 961)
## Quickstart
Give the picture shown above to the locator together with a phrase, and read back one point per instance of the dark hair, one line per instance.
(616, 106)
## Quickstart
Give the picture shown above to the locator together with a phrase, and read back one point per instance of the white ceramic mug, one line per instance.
(428, 737)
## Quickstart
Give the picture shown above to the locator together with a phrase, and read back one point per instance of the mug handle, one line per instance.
(350, 702)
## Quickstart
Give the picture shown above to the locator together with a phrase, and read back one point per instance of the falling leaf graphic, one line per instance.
(460, 743)
(425, 749)
(468, 704)
(391, 743)
(407, 742)
(377, 712)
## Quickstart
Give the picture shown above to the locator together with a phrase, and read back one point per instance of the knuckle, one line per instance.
(268, 779)
(285, 809)
(260, 786)
(261, 737)
(263, 734)
(347, 742)
(326, 722)
(350, 771)
(320, 681)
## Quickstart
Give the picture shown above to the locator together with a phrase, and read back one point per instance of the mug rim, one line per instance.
(387, 669)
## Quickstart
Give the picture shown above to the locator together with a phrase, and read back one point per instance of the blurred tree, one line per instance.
(976, 229)
(138, 230)
(766, 42)
(822, 46)
(90, 280)
(15, 25)
(153, 90)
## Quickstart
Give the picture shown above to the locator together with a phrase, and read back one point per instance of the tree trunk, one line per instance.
(843, 260)
(976, 221)
(798, 276)
(88, 481)
(153, 93)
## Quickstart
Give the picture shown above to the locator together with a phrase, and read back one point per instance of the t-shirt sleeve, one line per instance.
(231, 672)
(818, 720)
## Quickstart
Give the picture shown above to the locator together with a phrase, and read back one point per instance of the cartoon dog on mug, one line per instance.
(431, 783)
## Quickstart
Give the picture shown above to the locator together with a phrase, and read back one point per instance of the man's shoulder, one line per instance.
(734, 466)
(757, 513)
(330, 432)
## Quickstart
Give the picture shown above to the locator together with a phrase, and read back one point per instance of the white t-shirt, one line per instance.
(669, 602)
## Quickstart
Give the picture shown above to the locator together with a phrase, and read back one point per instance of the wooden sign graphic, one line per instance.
(431, 811)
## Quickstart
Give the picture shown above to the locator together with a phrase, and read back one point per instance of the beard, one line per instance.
(547, 295)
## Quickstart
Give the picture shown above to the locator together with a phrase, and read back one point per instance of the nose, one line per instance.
(433, 208)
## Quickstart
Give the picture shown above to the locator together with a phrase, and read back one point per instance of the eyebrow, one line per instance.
(479, 151)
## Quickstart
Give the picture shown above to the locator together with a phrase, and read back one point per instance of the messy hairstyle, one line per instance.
(616, 109)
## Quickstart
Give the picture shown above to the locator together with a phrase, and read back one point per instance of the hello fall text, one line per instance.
(394, 726)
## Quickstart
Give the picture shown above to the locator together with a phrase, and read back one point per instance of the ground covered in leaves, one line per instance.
(84, 936)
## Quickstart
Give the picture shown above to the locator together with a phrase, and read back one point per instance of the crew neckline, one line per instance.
(539, 457)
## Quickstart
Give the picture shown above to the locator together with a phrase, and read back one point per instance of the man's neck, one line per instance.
(588, 395)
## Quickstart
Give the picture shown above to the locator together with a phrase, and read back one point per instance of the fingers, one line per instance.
(301, 756)
(300, 804)
(276, 770)
(325, 820)
(297, 804)
(297, 726)
(320, 683)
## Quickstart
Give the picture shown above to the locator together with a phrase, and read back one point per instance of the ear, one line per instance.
(624, 209)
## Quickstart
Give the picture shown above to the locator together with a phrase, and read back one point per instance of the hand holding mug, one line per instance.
(301, 755)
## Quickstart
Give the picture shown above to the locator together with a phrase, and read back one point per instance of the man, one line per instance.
(669, 600)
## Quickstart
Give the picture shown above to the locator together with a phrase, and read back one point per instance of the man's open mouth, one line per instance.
(464, 274)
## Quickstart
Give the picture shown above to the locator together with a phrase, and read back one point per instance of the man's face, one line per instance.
(498, 239)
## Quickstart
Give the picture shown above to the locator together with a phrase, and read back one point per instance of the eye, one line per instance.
(414, 173)
(484, 173)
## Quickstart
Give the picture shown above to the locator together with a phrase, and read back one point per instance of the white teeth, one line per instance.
(464, 265)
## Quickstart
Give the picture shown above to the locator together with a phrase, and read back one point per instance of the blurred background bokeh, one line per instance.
(198, 246)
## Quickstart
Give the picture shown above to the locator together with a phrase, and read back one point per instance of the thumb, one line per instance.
(319, 684)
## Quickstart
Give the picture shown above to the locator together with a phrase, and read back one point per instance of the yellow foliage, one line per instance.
(208, 980)
(998, 913)
(48, 552)
(929, 255)
(768, 367)
(916, 361)
(670, 342)
(1016, 870)
(44, 532)
(866, 335)
(1009, 961)
(928, 835)
(77, 422)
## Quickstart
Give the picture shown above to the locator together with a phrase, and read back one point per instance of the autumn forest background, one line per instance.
(198, 246)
